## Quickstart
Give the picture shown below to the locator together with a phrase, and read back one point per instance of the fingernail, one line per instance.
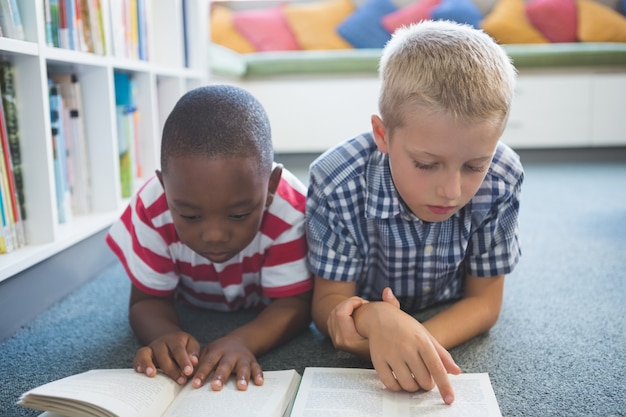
(188, 369)
(197, 382)
(449, 399)
(243, 381)
(181, 380)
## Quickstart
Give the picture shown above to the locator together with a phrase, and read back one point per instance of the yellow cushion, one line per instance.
(314, 24)
(507, 23)
(598, 23)
(224, 33)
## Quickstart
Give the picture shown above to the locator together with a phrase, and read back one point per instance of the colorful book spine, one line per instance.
(126, 131)
(8, 185)
(9, 102)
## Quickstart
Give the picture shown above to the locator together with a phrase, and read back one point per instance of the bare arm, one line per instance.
(236, 352)
(474, 314)
(167, 346)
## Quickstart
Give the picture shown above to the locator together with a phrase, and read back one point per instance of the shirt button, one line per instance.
(426, 290)
(428, 249)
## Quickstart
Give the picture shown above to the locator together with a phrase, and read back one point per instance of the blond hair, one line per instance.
(447, 67)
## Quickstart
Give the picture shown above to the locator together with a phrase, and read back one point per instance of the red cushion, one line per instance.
(413, 13)
(555, 19)
(266, 29)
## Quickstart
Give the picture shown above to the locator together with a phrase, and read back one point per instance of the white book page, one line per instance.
(121, 391)
(336, 392)
(473, 397)
(268, 400)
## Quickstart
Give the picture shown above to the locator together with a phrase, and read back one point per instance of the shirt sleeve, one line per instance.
(333, 251)
(141, 248)
(495, 246)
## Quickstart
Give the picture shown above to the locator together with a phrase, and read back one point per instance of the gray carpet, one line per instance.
(559, 348)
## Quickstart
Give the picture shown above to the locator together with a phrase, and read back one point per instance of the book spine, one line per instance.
(54, 22)
(9, 102)
(8, 184)
(60, 154)
(64, 34)
(48, 22)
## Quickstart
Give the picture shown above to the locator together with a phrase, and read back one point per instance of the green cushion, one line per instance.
(567, 55)
(358, 61)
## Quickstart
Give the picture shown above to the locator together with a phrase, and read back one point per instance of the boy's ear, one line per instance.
(159, 175)
(275, 176)
(380, 134)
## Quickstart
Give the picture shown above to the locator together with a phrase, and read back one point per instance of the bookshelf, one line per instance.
(172, 67)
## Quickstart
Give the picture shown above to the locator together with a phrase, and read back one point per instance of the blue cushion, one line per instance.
(363, 28)
(461, 11)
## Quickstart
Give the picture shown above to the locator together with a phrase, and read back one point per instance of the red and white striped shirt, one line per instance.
(273, 265)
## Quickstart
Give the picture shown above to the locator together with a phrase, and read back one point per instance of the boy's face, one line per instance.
(217, 204)
(437, 164)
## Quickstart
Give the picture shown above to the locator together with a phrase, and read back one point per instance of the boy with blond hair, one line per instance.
(421, 211)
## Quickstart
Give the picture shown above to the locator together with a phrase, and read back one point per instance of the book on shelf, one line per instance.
(130, 30)
(9, 102)
(13, 225)
(319, 391)
(14, 154)
(76, 141)
(74, 24)
(11, 19)
(127, 118)
(59, 152)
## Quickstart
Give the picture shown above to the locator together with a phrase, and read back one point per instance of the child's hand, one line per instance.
(176, 354)
(404, 354)
(225, 356)
(341, 327)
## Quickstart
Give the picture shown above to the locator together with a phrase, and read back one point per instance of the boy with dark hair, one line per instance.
(220, 226)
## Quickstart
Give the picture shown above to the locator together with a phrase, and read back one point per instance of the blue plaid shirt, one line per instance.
(358, 229)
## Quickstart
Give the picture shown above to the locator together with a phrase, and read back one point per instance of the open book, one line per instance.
(323, 392)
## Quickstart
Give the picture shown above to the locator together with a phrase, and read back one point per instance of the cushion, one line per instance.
(224, 33)
(598, 23)
(555, 19)
(266, 29)
(461, 11)
(363, 28)
(415, 12)
(315, 24)
(507, 23)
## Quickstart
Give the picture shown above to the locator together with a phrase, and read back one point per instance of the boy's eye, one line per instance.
(474, 168)
(425, 167)
(189, 218)
(241, 216)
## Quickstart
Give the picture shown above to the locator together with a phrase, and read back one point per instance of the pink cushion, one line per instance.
(414, 12)
(266, 29)
(557, 20)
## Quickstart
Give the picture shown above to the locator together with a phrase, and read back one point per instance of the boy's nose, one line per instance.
(214, 232)
(450, 187)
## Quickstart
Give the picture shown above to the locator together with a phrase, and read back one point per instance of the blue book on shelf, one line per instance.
(59, 150)
(125, 118)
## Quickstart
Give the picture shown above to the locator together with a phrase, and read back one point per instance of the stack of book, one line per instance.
(69, 147)
(11, 20)
(75, 24)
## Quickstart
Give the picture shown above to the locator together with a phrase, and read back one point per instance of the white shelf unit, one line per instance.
(160, 82)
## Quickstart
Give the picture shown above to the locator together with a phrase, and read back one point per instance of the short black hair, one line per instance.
(218, 121)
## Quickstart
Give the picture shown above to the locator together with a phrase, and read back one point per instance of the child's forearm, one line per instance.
(153, 318)
(461, 322)
(473, 315)
(283, 319)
